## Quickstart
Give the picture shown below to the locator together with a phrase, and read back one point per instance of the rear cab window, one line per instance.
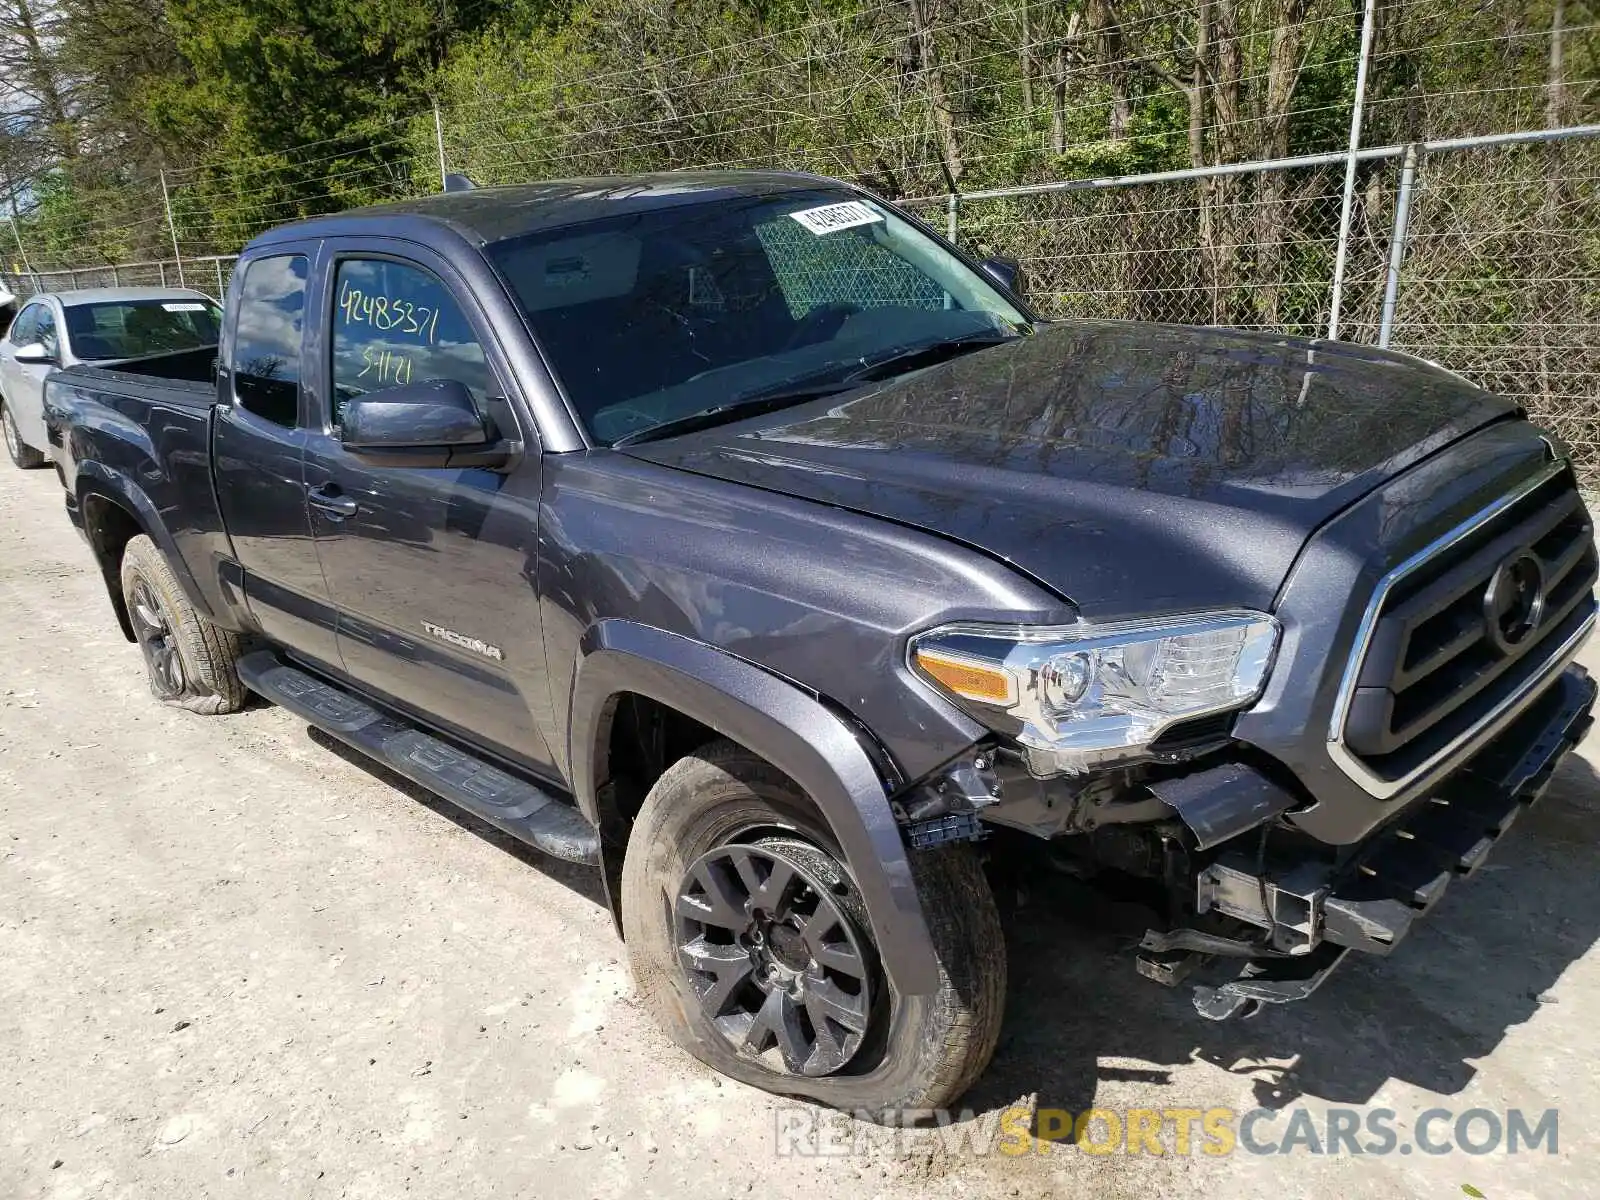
(267, 338)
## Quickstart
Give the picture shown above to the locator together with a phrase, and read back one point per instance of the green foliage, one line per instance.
(64, 224)
(256, 112)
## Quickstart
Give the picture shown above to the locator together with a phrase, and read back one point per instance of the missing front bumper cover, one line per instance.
(1313, 913)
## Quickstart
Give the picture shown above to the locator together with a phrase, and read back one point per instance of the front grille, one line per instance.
(1469, 628)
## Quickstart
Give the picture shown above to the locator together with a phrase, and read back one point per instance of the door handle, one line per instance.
(328, 501)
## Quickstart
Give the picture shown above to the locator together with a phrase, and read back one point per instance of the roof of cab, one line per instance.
(491, 214)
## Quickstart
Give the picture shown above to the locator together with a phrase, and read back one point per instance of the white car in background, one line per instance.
(94, 325)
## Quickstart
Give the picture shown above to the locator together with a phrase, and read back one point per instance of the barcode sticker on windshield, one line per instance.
(184, 306)
(831, 217)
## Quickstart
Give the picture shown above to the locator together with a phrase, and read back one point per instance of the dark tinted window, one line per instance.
(266, 342)
(395, 324)
(22, 328)
(654, 315)
(129, 328)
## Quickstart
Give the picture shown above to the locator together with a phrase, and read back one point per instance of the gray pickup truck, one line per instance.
(738, 535)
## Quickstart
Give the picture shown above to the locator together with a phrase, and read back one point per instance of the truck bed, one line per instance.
(146, 420)
(182, 376)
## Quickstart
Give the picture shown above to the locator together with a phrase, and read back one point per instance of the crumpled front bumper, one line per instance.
(1370, 901)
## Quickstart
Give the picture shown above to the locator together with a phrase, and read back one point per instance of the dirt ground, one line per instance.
(236, 962)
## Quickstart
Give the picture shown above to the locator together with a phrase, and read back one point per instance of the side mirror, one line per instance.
(1007, 272)
(33, 352)
(435, 415)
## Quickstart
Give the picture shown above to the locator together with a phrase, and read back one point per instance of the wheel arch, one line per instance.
(115, 512)
(774, 718)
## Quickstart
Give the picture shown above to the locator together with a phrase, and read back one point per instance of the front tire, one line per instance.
(189, 660)
(728, 858)
(24, 456)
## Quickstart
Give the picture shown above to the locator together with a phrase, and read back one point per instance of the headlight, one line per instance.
(1081, 696)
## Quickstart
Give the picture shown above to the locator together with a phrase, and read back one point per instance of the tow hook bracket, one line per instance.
(1291, 907)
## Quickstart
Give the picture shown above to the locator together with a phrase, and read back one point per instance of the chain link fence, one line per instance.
(1495, 274)
(1501, 280)
(1490, 253)
(1248, 250)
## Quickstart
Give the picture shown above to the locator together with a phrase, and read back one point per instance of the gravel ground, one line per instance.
(236, 962)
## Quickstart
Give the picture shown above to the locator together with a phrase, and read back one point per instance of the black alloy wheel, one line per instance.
(773, 955)
(153, 630)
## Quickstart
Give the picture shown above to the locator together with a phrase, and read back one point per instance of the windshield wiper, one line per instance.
(928, 354)
(782, 395)
(745, 406)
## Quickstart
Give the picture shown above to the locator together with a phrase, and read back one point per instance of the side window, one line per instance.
(266, 342)
(22, 328)
(395, 324)
(45, 331)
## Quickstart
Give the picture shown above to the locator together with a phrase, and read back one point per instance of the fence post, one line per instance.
(16, 229)
(162, 267)
(1345, 207)
(172, 228)
(438, 138)
(17, 233)
(116, 276)
(1397, 243)
(73, 275)
(952, 216)
(221, 286)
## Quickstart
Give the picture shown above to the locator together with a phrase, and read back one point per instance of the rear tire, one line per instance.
(920, 1053)
(189, 660)
(24, 456)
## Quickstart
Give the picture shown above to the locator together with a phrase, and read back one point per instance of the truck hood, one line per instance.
(1130, 468)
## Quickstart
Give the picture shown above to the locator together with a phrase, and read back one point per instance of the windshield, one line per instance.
(654, 316)
(131, 328)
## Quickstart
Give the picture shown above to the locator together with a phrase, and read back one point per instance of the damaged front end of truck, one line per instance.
(1285, 788)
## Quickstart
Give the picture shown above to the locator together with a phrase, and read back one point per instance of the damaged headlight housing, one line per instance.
(1077, 697)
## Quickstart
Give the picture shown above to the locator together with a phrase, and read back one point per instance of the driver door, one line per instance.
(431, 568)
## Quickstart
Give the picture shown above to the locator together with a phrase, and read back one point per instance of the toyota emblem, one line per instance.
(1513, 605)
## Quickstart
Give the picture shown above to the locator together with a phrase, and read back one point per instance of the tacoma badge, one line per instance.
(476, 645)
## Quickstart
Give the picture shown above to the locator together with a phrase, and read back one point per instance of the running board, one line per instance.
(503, 800)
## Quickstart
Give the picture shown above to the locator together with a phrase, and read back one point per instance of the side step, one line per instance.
(503, 800)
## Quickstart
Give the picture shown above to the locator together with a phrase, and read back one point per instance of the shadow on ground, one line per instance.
(585, 881)
(1478, 965)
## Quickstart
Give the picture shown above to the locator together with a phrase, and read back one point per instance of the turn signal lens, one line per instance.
(979, 681)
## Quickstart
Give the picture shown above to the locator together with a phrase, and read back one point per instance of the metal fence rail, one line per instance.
(207, 273)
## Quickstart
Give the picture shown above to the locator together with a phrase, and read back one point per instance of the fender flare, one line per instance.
(94, 478)
(791, 729)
